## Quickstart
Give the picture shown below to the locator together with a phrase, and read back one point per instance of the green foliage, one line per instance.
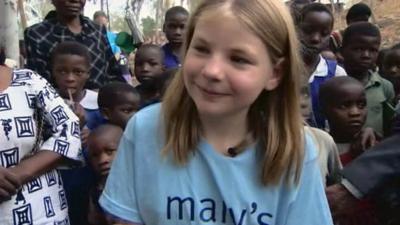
(149, 26)
(118, 23)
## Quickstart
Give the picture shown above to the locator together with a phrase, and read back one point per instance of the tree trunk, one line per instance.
(9, 29)
(21, 10)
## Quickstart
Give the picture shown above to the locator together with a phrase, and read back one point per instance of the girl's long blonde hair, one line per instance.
(274, 118)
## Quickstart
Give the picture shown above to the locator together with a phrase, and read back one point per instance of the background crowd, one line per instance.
(64, 112)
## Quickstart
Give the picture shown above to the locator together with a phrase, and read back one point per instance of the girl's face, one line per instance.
(226, 67)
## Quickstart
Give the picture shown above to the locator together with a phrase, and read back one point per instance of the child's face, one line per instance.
(224, 73)
(391, 64)
(149, 66)
(347, 114)
(102, 149)
(174, 28)
(128, 105)
(305, 101)
(69, 8)
(70, 72)
(360, 53)
(315, 30)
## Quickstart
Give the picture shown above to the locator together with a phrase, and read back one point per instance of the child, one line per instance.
(359, 12)
(361, 43)
(328, 155)
(391, 68)
(102, 146)
(315, 26)
(174, 26)
(70, 71)
(343, 101)
(118, 102)
(227, 144)
(70, 63)
(149, 71)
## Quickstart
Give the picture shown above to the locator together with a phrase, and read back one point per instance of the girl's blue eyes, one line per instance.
(234, 59)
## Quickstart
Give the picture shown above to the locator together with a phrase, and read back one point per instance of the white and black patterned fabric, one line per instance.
(42, 200)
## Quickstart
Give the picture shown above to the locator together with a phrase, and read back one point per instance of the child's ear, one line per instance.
(105, 112)
(277, 73)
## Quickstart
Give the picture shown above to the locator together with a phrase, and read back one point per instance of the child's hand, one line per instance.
(368, 138)
(364, 140)
(80, 113)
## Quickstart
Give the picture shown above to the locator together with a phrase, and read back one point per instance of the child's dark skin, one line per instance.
(68, 12)
(360, 55)
(70, 73)
(102, 149)
(347, 114)
(127, 104)
(173, 28)
(149, 68)
(391, 69)
(314, 30)
(102, 145)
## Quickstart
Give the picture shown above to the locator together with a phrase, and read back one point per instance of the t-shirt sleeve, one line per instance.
(64, 124)
(340, 71)
(119, 197)
(310, 205)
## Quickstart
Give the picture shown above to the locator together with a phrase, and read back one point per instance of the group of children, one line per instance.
(349, 96)
(346, 96)
(104, 113)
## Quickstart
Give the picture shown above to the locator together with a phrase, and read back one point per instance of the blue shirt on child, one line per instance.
(171, 61)
(146, 187)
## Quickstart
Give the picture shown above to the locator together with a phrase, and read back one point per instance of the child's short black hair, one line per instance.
(99, 14)
(109, 94)
(381, 58)
(315, 7)
(357, 11)
(361, 28)
(395, 47)
(329, 87)
(71, 48)
(174, 11)
(145, 47)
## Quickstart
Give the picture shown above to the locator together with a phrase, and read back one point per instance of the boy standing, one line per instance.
(360, 48)
(174, 26)
(344, 104)
(70, 66)
(149, 71)
(391, 68)
(102, 145)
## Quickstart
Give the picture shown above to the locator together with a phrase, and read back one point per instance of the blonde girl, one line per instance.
(227, 145)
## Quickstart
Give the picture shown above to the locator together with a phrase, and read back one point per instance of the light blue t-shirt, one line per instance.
(147, 188)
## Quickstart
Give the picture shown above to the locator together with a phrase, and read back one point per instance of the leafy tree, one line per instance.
(149, 26)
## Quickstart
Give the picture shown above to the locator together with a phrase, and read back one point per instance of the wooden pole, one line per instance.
(21, 10)
(9, 29)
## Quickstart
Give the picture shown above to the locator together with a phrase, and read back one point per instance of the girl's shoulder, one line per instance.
(310, 149)
(146, 121)
(27, 77)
